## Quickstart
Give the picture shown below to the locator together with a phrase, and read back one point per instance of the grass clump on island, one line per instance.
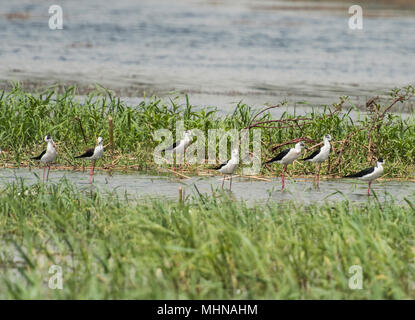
(75, 123)
(109, 247)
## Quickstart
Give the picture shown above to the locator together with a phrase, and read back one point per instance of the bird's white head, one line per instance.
(48, 138)
(100, 140)
(188, 133)
(327, 137)
(300, 145)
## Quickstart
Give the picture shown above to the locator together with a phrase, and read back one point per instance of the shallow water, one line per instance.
(138, 186)
(220, 52)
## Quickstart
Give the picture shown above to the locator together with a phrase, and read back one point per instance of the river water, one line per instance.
(219, 52)
(142, 186)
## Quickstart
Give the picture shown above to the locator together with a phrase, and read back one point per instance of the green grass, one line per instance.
(26, 118)
(208, 248)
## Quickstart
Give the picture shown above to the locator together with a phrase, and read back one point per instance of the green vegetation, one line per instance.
(208, 248)
(26, 118)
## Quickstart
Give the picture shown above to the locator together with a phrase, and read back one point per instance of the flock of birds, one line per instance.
(288, 156)
(285, 157)
(48, 156)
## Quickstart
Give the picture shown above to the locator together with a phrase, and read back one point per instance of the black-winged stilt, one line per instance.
(47, 156)
(287, 157)
(179, 147)
(369, 174)
(320, 155)
(93, 154)
(229, 167)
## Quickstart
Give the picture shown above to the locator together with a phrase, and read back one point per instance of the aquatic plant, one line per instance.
(111, 247)
(75, 122)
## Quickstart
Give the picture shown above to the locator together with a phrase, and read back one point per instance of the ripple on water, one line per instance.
(139, 186)
(220, 48)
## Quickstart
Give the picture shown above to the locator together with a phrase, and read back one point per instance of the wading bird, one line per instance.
(229, 167)
(47, 156)
(287, 157)
(319, 156)
(369, 174)
(179, 147)
(93, 154)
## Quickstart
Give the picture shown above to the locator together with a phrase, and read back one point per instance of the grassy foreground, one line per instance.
(207, 248)
(75, 123)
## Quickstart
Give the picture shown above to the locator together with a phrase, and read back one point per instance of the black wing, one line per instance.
(174, 145)
(39, 156)
(88, 153)
(311, 156)
(279, 156)
(221, 165)
(362, 173)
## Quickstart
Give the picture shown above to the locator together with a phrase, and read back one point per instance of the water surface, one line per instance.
(219, 52)
(140, 186)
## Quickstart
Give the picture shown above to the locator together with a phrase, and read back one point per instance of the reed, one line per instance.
(111, 247)
(74, 121)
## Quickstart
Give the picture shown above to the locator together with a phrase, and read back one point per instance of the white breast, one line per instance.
(374, 175)
(229, 168)
(291, 156)
(50, 155)
(323, 155)
(181, 146)
(98, 152)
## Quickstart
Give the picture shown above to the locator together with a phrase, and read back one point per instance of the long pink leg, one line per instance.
(318, 174)
(283, 177)
(44, 169)
(91, 173)
(47, 176)
(231, 183)
(182, 160)
(368, 189)
(223, 181)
